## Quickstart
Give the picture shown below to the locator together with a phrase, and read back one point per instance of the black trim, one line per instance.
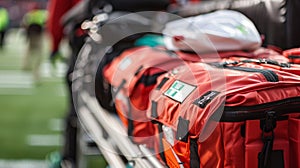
(194, 155)
(138, 70)
(270, 75)
(182, 130)
(130, 121)
(294, 56)
(149, 80)
(162, 83)
(243, 113)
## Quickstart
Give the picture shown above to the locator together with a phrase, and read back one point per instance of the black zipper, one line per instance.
(266, 61)
(270, 75)
(243, 113)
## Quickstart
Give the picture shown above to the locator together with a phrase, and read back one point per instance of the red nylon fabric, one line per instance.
(224, 145)
(292, 52)
(150, 62)
(220, 144)
(56, 9)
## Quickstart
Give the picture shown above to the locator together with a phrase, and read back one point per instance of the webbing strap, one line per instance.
(194, 156)
(129, 119)
(161, 84)
(161, 147)
(129, 114)
(265, 156)
(114, 94)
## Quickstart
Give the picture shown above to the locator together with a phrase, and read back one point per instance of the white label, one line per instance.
(125, 63)
(179, 91)
(168, 132)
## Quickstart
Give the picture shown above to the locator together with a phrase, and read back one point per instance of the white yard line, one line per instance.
(44, 140)
(15, 83)
(13, 79)
(23, 164)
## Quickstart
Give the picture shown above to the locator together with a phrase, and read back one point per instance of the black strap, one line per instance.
(129, 114)
(138, 70)
(270, 75)
(161, 146)
(161, 84)
(129, 119)
(265, 156)
(194, 156)
(293, 58)
(114, 94)
(149, 80)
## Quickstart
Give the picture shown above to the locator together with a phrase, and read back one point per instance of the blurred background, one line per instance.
(17, 8)
(31, 113)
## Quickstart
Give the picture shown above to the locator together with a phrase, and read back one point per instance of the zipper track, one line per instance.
(270, 75)
(243, 113)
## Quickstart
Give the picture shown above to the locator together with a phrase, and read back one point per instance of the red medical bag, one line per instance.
(133, 75)
(239, 112)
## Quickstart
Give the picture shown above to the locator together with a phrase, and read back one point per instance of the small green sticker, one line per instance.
(179, 91)
(177, 86)
(174, 94)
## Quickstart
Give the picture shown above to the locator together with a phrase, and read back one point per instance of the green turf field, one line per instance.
(31, 115)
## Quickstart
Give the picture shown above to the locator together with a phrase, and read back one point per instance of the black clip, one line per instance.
(269, 123)
(224, 64)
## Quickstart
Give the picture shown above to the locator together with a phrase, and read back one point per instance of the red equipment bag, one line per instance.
(133, 75)
(237, 113)
(293, 55)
